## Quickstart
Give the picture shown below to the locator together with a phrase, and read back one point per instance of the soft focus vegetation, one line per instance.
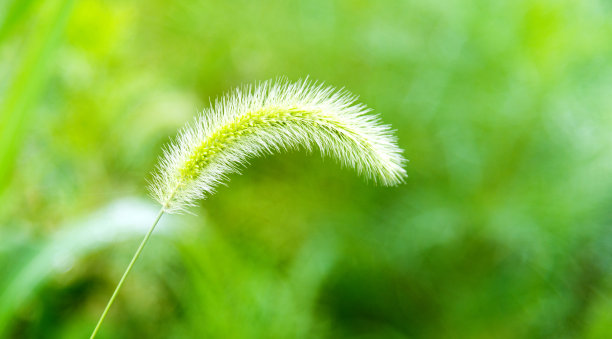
(502, 230)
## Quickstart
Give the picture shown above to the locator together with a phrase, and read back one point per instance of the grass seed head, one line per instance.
(267, 118)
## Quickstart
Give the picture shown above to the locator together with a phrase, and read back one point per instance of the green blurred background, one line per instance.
(502, 230)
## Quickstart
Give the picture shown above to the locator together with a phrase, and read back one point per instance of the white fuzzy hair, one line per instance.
(267, 118)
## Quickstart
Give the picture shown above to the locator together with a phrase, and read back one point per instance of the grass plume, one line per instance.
(264, 119)
(268, 118)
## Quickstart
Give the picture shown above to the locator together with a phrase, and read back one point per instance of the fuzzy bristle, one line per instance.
(267, 118)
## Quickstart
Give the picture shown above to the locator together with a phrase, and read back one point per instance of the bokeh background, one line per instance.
(502, 230)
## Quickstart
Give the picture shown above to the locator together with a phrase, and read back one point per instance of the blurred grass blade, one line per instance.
(122, 220)
(22, 94)
(11, 13)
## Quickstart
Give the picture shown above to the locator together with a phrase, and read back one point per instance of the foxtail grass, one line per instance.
(263, 119)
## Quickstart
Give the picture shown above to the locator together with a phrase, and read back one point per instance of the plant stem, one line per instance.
(127, 271)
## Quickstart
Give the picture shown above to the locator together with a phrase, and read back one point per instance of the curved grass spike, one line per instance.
(263, 119)
(268, 118)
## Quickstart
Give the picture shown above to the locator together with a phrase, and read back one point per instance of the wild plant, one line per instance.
(263, 119)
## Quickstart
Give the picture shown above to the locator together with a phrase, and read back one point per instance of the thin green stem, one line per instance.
(127, 271)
